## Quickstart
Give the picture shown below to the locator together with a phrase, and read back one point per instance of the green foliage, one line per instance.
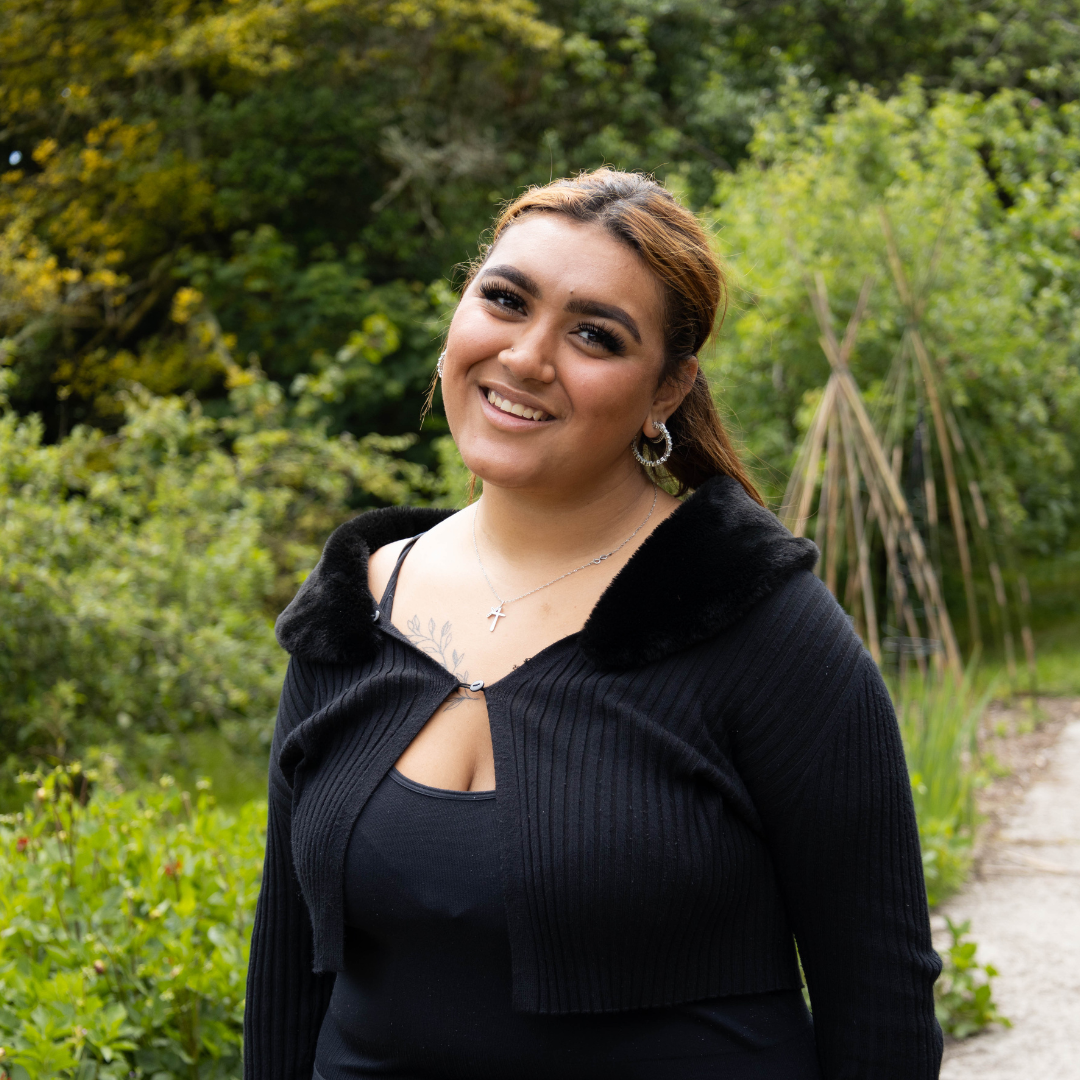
(939, 717)
(982, 198)
(963, 999)
(141, 571)
(126, 919)
(305, 163)
(355, 354)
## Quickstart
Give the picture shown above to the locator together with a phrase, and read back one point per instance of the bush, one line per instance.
(140, 572)
(126, 920)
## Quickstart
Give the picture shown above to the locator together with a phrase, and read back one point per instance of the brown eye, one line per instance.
(600, 337)
(503, 297)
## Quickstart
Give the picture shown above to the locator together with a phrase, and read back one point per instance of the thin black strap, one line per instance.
(386, 604)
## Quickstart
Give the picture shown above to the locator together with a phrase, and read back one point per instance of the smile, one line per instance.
(515, 408)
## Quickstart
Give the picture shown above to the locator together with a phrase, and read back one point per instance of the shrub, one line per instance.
(963, 997)
(125, 924)
(140, 572)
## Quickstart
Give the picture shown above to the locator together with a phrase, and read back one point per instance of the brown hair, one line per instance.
(668, 238)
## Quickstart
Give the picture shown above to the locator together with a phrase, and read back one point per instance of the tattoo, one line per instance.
(436, 642)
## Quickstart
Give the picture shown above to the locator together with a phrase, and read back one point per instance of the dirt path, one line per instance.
(1024, 905)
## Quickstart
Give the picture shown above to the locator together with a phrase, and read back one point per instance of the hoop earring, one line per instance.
(667, 448)
(439, 365)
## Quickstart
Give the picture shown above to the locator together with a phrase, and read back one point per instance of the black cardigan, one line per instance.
(709, 767)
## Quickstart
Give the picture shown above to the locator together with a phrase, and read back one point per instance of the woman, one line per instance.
(559, 779)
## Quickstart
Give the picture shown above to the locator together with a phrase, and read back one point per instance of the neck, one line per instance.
(527, 529)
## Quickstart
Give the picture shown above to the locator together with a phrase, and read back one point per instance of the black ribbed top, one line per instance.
(664, 829)
(426, 987)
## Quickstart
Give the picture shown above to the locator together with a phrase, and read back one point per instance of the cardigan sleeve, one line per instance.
(285, 1001)
(817, 744)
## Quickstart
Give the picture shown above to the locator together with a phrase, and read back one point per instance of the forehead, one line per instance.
(565, 256)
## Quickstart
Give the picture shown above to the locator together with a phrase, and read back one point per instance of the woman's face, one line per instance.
(562, 326)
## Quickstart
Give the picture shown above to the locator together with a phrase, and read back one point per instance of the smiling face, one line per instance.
(554, 357)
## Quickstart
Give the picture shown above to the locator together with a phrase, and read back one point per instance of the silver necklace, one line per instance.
(497, 613)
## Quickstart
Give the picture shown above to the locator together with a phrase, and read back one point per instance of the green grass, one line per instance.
(1057, 664)
(939, 718)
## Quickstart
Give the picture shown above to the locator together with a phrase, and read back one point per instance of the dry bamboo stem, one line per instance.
(909, 535)
(889, 529)
(832, 473)
(869, 606)
(801, 486)
(923, 574)
(956, 510)
(853, 582)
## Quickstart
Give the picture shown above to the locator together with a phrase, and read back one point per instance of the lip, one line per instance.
(508, 421)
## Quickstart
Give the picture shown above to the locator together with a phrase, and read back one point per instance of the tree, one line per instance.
(982, 196)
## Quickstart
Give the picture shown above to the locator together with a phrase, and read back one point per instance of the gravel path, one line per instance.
(1024, 907)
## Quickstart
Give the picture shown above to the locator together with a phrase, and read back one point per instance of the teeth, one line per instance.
(515, 408)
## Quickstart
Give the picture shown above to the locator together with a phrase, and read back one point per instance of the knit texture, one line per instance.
(664, 828)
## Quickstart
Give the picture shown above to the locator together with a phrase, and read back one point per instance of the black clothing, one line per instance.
(426, 986)
(711, 765)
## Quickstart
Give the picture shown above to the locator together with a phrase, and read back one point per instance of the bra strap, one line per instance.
(386, 604)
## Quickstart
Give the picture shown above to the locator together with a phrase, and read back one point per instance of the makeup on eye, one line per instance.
(602, 338)
(593, 335)
(508, 299)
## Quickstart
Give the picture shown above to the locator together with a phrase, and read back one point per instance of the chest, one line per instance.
(609, 784)
(455, 616)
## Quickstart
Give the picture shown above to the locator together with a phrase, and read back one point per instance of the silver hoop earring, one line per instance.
(439, 365)
(667, 448)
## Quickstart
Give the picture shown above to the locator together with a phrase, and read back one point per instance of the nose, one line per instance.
(529, 359)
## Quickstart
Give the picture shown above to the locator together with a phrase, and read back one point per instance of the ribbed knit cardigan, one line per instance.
(710, 768)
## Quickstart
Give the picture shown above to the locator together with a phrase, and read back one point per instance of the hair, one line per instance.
(668, 238)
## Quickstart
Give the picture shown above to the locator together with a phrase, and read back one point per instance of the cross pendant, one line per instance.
(495, 614)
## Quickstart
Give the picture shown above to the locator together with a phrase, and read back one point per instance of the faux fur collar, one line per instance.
(700, 571)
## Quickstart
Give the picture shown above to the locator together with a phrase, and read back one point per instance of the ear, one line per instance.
(670, 393)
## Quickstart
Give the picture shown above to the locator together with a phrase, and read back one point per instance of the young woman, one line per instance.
(560, 779)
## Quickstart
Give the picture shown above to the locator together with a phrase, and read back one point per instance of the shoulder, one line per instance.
(701, 571)
(381, 565)
(332, 617)
(800, 632)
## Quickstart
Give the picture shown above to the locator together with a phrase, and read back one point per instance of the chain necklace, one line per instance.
(497, 613)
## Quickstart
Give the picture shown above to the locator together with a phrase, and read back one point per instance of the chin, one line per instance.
(513, 469)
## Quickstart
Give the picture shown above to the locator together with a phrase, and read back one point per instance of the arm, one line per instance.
(818, 746)
(285, 1001)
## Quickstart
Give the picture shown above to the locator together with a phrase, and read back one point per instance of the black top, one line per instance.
(711, 766)
(426, 986)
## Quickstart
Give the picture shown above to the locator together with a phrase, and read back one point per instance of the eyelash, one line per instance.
(496, 293)
(607, 339)
(602, 336)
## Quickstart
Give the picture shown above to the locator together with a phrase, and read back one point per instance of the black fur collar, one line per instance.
(698, 572)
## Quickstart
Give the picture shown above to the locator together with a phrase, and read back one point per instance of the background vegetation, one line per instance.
(228, 239)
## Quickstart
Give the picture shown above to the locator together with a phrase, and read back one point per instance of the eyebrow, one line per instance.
(578, 307)
(522, 281)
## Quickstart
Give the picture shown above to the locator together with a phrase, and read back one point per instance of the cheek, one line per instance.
(609, 394)
(473, 334)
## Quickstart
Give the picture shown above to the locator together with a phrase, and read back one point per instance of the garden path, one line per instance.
(1024, 907)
